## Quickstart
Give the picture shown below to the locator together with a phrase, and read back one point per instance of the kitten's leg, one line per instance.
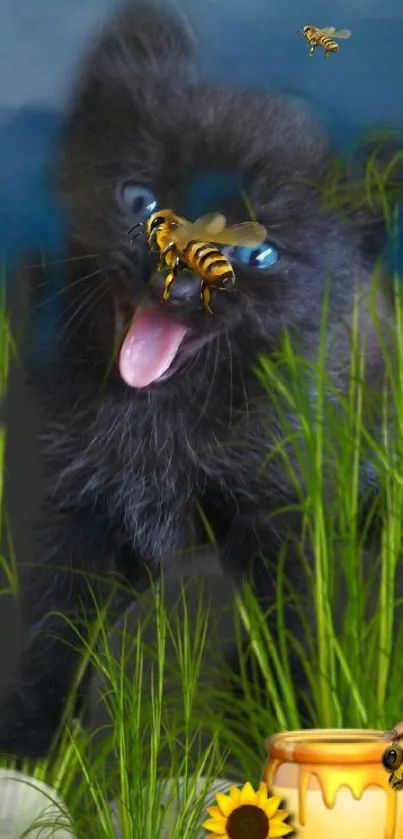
(75, 547)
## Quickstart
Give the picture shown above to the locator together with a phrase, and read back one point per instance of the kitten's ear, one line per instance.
(143, 38)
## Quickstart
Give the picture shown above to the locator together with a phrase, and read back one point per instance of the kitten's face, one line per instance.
(140, 132)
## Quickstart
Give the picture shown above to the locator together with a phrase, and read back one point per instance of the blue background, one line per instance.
(253, 42)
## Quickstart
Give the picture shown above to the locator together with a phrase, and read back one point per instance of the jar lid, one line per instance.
(328, 746)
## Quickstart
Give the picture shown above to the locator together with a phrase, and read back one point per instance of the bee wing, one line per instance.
(327, 30)
(342, 33)
(206, 226)
(248, 233)
(182, 233)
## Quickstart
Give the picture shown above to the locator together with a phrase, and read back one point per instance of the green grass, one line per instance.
(8, 570)
(154, 735)
(351, 644)
(353, 656)
(374, 181)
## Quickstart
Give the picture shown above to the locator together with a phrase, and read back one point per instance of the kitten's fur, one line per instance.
(127, 466)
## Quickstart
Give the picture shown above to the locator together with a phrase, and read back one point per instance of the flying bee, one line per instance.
(184, 244)
(321, 38)
(392, 760)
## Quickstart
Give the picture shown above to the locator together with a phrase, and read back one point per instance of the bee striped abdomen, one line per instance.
(202, 254)
(212, 264)
(329, 45)
(198, 251)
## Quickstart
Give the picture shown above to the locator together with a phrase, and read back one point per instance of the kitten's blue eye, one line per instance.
(140, 200)
(263, 256)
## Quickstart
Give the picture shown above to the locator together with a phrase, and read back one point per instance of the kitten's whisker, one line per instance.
(63, 290)
(217, 346)
(94, 295)
(68, 284)
(62, 261)
(78, 303)
(230, 377)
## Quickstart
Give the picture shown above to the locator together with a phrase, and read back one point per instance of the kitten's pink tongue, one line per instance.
(149, 347)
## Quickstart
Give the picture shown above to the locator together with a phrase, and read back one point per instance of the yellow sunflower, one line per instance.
(246, 814)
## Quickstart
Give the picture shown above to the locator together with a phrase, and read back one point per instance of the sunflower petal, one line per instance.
(261, 796)
(214, 811)
(235, 794)
(216, 836)
(217, 825)
(281, 816)
(279, 829)
(225, 803)
(271, 806)
(248, 794)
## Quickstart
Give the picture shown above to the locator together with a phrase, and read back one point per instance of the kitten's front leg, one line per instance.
(75, 547)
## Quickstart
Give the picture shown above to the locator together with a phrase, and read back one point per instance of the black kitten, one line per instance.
(134, 443)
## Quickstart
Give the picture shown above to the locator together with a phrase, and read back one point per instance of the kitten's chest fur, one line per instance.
(149, 461)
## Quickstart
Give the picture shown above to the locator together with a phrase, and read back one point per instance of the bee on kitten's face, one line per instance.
(193, 245)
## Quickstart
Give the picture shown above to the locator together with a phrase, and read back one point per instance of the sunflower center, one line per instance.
(247, 822)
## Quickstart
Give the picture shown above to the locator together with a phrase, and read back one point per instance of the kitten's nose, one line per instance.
(186, 285)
